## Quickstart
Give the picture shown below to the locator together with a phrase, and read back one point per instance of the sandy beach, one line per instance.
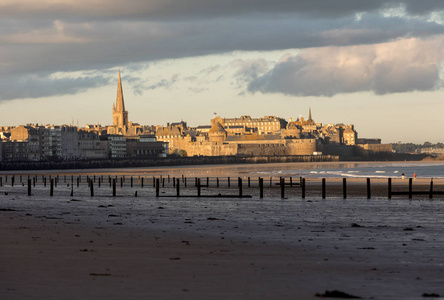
(62, 248)
(126, 247)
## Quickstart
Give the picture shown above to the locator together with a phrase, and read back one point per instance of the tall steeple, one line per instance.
(309, 114)
(120, 116)
(120, 104)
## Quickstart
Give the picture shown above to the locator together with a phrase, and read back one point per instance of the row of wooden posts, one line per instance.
(160, 181)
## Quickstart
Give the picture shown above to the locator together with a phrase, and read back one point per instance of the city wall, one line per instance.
(170, 161)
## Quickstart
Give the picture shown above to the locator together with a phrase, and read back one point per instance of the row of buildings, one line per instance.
(66, 142)
(243, 136)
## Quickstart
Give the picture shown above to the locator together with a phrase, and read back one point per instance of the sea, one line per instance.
(362, 170)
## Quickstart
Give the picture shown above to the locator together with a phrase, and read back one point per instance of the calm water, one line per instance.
(337, 169)
(358, 170)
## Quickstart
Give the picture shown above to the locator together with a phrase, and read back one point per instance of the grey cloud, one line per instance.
(192, 9)
(42, 37)
(396, 67)
(164, 83)
(45, 86)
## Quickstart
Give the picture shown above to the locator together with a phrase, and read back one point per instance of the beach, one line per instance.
(99, 247)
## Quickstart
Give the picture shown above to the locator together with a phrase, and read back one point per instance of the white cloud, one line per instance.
(395, 67)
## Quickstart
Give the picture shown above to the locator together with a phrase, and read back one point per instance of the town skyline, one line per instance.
(379, 65)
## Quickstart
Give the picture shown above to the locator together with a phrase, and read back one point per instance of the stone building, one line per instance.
(69, 139)
(246, 124)
(350, 135)
(90, 145)
(146, 146)
(15, 150)
(31, 136)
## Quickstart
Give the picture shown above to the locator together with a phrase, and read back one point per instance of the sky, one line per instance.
(376, 64)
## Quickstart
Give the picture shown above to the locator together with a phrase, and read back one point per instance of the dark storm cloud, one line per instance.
(183, 9)
(42, 37)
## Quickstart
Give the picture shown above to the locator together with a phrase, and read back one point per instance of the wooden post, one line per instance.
(114, 187)
(303, 188)
(198, 187)
(168, 178)
(141, 182)
(282, 187)
(12, 180)
(228, 181)
(195, 181)
(185, 182)
(157, 183)
(178, 187)
(248, 181)
(389, 186)
(174, 182)
(154, 182)
(94, 178)
(29, 187)
(78, 181)
(271, 181)
(261, 188)
(33, 181)
(72, 190)
(217, 181)
(431, 189)
(91, 187)
(369, 195)
(131, 181)
(291, 181)
(239, 185)
(1, 180)
(163, 182)
(323, 188)
(121, 181)
(208, 182)
(51, 190)
(344, 187)
(44, 181)
(410, 188)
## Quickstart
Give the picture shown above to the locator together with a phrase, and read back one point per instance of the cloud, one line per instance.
(47, 36)
(192, 9)
(401, 66)
(164, 83)
(50, 85)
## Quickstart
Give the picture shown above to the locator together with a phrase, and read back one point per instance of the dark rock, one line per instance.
(431, 295)
(336, 294)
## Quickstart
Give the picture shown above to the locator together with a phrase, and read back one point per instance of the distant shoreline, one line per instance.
(196, 160)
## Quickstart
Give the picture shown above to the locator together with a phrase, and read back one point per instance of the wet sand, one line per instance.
(130, 248)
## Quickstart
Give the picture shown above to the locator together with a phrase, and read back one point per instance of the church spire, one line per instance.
(309, 114)
(120, 115)
(120, 104)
